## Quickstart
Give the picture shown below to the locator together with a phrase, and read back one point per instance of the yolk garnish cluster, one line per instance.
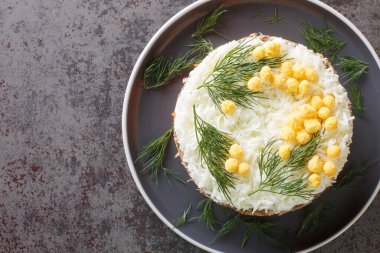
(310, 118)
(232, 164)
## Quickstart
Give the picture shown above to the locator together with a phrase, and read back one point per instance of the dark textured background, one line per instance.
(64, 183)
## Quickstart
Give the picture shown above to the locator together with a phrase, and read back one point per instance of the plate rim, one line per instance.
(124, 117)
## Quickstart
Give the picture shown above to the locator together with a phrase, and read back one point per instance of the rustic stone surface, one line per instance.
(64, 186)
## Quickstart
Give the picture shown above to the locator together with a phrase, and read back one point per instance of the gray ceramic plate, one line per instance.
(147, 114)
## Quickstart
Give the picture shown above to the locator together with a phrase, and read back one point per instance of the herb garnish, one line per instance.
(263, 228)
(207, 25)
(356, 99)
(244, 239)
(352, 68)
(275, 18)
(201, 46)
(353, 173)
(322, 40)
(161, 70)
(224, 83)
(153, 153)
(207, 216)
(182, 219)
(230, 224)
(278, 178)
(315, 216)
(213, 147)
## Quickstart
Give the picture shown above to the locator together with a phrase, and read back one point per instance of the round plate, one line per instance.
(147, 114)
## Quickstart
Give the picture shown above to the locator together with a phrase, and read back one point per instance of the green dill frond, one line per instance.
(207, 25)
(354, 173)
(352, 68)
(356, 99)
(153, 155)
(276, 175)
(213, 147)
(162, 70)
(182, 219)
(227, 227)
(315, 216)
(245, 238)
(263, 228)
(275, 18)
(322, 40)
(225, 81)
(207, 216)
(201, 46)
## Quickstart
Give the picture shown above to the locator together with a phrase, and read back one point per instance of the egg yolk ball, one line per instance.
(298, 71)
(312, 125)
(331, 123)
(273, 49)
(316, 102)
(284, 151)
(231, 165)
(287, 68)
(243, 169)
(236, 151)
(266, 73)
(259, 53)
(288, 134)
(304, 87)
(315, 164)
(324, 112)
(329, 101)
(296, 124)
(307, 111)
(255, 84)
(292, 85)
(333, 151)
(303, 137)
(228, 107)
(311, 74)
(329, 169)
(278, 81)
(314, 180)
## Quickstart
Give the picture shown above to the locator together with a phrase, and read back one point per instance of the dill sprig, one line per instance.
(356, 99)
(353, 173)
(263, 228)
(322, 40)
(315, 216)
(213, 146)
(200, 46)
(153, 154)
(352, 68)
(227, 227)
(207, 25)
(275, 18)
(245, 237)
(260, 226)
(207, 215)
(278, 175)
(224, 83)
(179, 221)
(161, 70)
